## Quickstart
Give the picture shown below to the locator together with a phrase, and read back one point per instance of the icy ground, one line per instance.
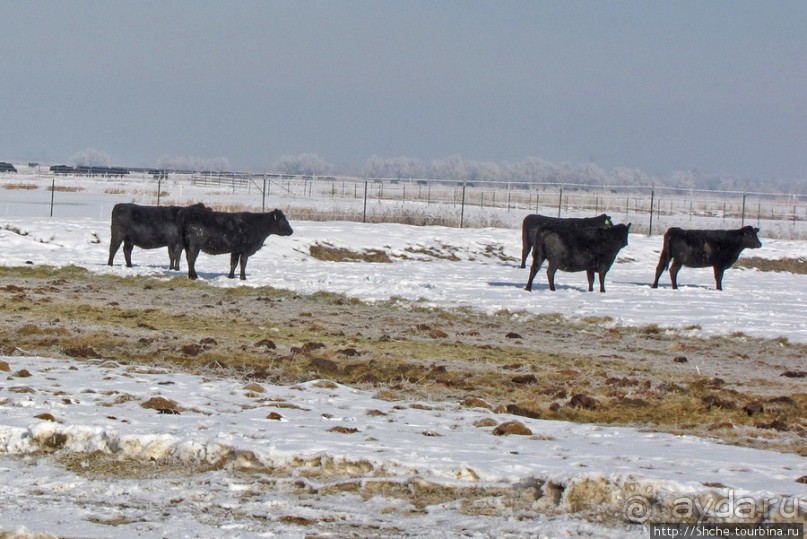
(311, 453)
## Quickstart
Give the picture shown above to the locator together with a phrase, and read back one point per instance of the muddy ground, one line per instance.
(736, 389)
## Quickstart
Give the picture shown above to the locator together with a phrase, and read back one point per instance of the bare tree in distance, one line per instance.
(91, 158)
(175, 162)
(306, 164)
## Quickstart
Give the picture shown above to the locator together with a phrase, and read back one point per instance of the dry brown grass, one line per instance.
(789, 265)
(330, 253)
(65, 188)
(22, 186)
(542, 366)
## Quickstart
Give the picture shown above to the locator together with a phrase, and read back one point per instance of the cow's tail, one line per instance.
(664, 258)
(526, 242)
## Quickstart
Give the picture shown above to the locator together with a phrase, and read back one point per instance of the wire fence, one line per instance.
(454, 203)
(653, 209)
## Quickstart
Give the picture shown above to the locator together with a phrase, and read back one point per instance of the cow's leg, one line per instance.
(536, 265)
(590, 277)
(675, 267)
(114, 245)
(602, 281)
(719, 277)
(244, 267)
(177, 256)
(662, 265)
(127, 252)
(550, 276)
(173, 257)
(191, 252)
(233, 263)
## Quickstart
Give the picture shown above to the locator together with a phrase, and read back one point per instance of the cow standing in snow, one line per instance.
(703, 248)
(531, 224)
(241, 234)
(147, 227)
(592, 250)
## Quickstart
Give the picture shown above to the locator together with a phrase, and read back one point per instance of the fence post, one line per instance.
(52, 190)
(652, 200)
(364, 216)
(263, 201)
(560, 200)
(159, 186)
(462, 207)
(742, 220)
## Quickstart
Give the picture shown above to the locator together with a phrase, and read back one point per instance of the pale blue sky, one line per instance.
(717, 86)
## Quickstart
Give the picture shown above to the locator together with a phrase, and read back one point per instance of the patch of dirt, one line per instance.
(730, 388)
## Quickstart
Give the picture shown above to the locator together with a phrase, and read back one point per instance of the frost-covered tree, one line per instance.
(449, 168)
(481, 171)
(175, 162)
(306, 164)
(91, 158)
(394, 167)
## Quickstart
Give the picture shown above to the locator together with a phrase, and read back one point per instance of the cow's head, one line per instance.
(750, 238)
(607, 219)
(282, 226)
(624, 235)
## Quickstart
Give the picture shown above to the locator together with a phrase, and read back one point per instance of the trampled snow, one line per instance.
(96, 405)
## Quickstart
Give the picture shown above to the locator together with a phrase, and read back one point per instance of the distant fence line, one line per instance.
(416, 201)
(653, 202)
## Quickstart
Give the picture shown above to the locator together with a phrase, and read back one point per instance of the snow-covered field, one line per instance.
(449, 266)
(628, 476)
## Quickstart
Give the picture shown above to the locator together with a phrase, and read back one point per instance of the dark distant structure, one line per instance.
(7, 167)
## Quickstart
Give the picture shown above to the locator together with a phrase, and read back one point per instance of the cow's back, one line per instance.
(535, 220)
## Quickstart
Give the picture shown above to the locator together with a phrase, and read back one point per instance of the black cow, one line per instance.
(240, 234)
(703, 248)
(577, 249)
(531, 223)
(148, 227)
